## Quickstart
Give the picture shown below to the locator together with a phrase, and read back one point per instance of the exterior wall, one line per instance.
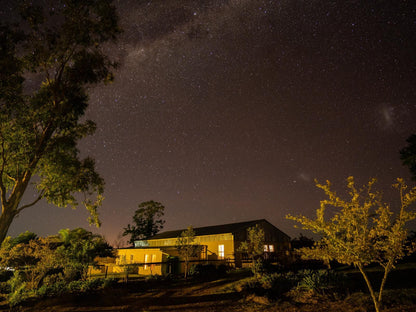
(216, 247)
(214, 251)
(277, 242)
(212, 245)
(142, 256)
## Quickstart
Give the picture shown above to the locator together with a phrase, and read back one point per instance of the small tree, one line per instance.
(254, 247)
(408, 155)
(148, 221)
(186, 247)
(302, 241)
(361, 230)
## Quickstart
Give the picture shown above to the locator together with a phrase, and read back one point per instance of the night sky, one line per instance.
(226, 111)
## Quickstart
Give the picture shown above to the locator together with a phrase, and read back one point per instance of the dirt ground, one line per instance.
(186, 296)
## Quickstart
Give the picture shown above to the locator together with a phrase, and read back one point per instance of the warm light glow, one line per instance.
(146, 259)
(221, 251)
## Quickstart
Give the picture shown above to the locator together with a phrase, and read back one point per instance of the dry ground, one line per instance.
(188, 297)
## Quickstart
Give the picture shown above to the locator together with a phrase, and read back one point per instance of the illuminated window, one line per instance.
(221, 251)
(146, 260)
(265, 248)
(271, 248)
(153, 261)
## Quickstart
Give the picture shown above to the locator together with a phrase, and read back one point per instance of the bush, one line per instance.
(53, 279)
(109, 282)
(85, 286)
(276, 284)
(208, 270)
(75, 286)
(154, 277)
(16, 281)
(321, 281)
(52, 290)
(270, 285)
(92, 284)
(400, 297)
(18, 295)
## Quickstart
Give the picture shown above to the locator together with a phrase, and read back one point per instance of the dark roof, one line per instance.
(209, 230)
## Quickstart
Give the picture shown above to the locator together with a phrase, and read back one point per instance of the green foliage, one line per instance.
(321, 281)
(48, 267)
(52, 290)
(254, 247)
(41, 119)
(361, 230)
(74, 287)
(275, 285)
(209, 271)
(23, 238)
(18, 291)
(80, 248)
(271, 285)
(147, 221)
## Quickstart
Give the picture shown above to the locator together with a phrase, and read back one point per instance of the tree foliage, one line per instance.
(302, 241)
(361, 230)
(81, 247)
(408, 155)
(49, 57)
(187, 248)
(254, 247)
(147, 221)
(64, 257)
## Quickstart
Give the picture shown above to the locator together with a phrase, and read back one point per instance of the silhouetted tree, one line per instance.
(147, 221)
(408, 155)
(41, 118)
(302, 241)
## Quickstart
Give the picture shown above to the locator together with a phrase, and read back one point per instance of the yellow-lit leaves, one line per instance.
(362, 229)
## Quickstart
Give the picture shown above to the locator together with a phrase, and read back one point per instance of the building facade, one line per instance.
(218, 245)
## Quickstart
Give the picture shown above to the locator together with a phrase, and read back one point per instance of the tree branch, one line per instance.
(3, 156)
(31, 204)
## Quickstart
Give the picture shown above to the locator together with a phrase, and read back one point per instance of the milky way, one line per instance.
(228, 110)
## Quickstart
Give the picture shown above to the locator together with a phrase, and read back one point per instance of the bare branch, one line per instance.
(32, 203)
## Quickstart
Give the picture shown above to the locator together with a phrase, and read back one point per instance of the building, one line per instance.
(219, 244)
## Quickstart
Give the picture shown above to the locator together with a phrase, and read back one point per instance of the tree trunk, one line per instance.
(6, 220)
(186, 268)
(383, 282)
(370, 288)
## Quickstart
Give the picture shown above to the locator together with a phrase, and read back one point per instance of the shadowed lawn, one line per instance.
(221, 295)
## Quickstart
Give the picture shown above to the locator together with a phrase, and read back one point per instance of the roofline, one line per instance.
(215, 225)
(175, 233)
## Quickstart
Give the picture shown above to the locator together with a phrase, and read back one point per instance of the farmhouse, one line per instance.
(219, 244)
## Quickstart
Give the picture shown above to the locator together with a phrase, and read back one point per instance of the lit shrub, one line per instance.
(321, 281)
